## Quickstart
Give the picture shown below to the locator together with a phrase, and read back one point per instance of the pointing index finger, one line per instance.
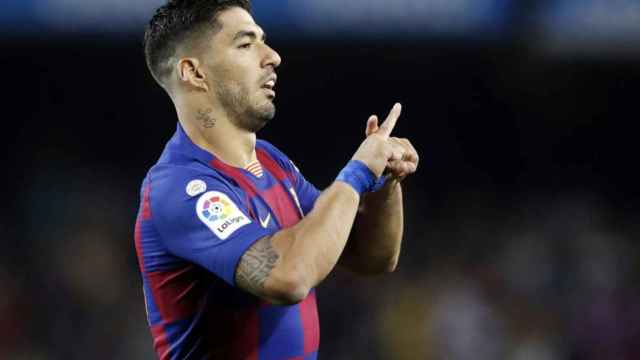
(387, 126)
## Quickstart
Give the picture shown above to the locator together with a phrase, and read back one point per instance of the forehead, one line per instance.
(234, 20)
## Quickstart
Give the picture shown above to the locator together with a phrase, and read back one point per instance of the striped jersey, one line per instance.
(197, 217)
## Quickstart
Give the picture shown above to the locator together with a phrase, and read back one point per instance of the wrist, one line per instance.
(357, 175)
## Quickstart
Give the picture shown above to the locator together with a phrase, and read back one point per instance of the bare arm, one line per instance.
(256, 265)
(374, 244)
(283, 268)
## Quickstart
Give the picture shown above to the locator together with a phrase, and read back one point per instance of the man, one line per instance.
(231, 239)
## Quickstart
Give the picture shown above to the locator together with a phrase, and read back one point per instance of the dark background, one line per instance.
(521, 223)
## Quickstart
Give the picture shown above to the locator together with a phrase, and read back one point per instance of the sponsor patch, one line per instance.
(196, 187)
(220, 214)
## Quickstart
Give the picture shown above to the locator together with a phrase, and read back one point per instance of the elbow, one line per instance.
(391, 264)
(288, 290)
(291, 295)
(384, 265)
(374, 266)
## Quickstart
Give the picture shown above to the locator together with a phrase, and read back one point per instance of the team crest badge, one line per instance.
(220, 214)
(195, 187)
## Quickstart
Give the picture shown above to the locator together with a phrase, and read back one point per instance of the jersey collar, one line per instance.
(181, 143)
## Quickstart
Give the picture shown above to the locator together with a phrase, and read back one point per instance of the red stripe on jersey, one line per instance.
(176, 292)
(146, 206)
(237, 331)
(236, 175)
(249, 344)
(272, 166)
(145, 214)
(137, 235)
(160, 342)
(282, 205)
(310, 323)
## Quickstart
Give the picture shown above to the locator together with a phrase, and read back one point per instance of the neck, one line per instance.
(210, 127)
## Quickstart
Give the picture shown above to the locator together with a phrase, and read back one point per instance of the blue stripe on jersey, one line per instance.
(281, 334)
(181, 344)
(153, 314)
(154, 252)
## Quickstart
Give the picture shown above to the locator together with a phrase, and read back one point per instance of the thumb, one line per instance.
(372, 125)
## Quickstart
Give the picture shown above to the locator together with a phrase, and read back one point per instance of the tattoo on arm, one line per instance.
(204, 117)
(256, 265)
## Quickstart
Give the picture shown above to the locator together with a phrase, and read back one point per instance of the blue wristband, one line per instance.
(360, 177)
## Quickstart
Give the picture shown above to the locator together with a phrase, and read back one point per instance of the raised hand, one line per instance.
(407, 163)
(376, 151)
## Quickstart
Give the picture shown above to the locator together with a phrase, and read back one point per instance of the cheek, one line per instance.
(238, 81)
(235, 77)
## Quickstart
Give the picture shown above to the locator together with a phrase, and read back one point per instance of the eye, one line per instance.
(245, 46)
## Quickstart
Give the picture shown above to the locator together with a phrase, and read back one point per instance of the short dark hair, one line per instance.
(177, 21)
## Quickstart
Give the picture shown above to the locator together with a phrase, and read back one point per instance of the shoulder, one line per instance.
(168, 177)
(172, 188)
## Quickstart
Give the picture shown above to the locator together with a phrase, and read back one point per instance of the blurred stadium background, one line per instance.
(521, 226)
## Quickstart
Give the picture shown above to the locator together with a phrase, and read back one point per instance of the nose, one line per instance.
(272, 58)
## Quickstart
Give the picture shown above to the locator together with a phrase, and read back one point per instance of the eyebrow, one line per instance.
(250, 33)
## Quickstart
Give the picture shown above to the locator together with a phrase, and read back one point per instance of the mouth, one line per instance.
(270, 85)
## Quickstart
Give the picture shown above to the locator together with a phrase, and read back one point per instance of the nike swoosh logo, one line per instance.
(265, 222)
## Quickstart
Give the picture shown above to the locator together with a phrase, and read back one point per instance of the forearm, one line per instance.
(310, 249)
(283, 268)
(374, 245)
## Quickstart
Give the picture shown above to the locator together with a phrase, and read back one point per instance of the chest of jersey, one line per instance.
(275, 207)
(270, 199)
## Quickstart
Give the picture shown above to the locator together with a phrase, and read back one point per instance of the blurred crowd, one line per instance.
(546, 278)
(550, 279)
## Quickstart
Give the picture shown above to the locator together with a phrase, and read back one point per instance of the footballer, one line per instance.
(231, 239)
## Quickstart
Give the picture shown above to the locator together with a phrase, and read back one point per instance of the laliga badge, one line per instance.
(220, 214)
(196, 187)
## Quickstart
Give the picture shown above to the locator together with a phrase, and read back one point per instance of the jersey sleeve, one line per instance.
(306, 191)
(205, 221)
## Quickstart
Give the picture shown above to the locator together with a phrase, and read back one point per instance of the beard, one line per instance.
(245, 112)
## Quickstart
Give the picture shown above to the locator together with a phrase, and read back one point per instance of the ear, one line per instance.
(190, 71)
